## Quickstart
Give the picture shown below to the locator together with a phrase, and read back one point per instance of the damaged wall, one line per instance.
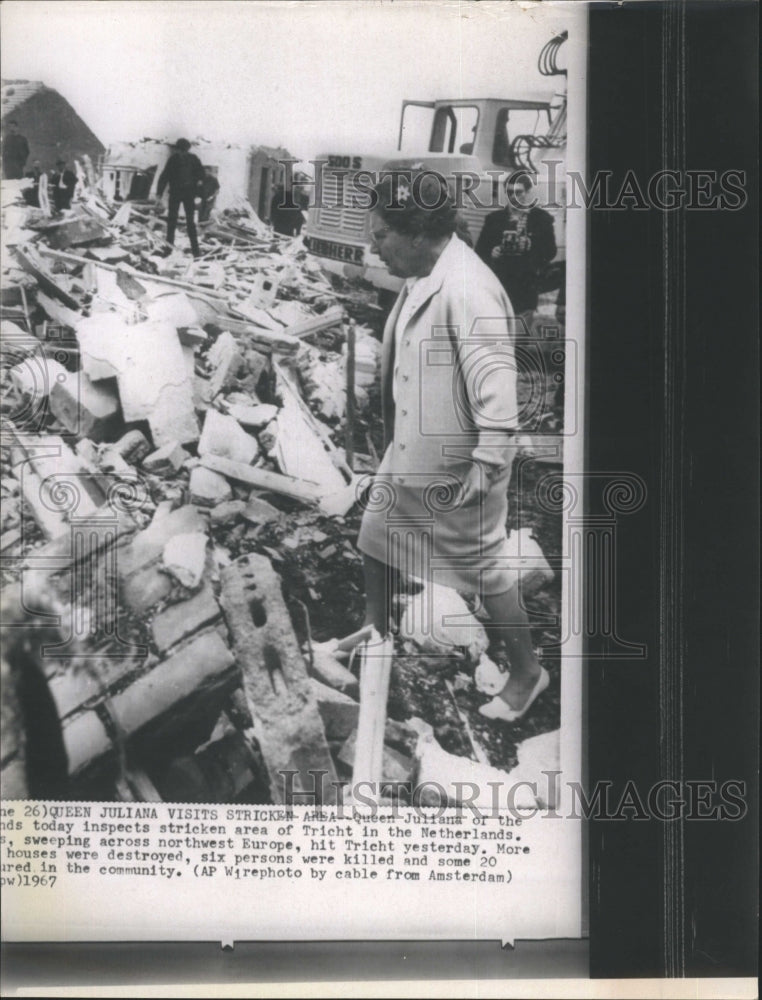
(249, 172)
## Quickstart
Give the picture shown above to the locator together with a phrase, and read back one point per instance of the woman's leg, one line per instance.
(511, 623)
(380, 589)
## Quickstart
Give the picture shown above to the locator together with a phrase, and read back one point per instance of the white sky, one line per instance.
(313, 77)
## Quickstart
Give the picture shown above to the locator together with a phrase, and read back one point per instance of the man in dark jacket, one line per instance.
(183, 173)
(15, 153)
(32, 194)
(518, 243)
(63, 182)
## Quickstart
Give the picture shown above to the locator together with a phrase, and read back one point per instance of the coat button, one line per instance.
(403, 412)
(402, 447)
(404, 378)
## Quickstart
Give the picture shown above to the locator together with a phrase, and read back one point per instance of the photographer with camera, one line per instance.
(517, 243)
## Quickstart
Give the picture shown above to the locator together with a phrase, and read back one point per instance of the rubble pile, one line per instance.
(177, 488)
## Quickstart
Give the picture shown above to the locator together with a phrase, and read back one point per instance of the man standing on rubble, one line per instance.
(15, 153)
(183, 173)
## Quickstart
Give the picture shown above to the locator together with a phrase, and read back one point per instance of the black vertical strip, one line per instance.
(673, 397)
(625, 428)
(671, 494)
(721, 597)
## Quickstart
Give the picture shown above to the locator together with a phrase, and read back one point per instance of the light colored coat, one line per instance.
(456, 372)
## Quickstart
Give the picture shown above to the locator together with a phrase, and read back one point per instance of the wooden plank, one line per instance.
(280, 697)
(263, 479)
(31, 263)
(375, 672)
(331, 317)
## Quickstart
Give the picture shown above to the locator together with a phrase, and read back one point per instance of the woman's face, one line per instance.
(402, 254)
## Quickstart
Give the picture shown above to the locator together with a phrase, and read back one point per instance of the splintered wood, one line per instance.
(287, 723)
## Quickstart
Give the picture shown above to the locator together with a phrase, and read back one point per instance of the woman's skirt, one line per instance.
(420, 527)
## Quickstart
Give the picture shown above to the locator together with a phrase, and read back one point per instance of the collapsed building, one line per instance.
(131, 171)
(185, 448)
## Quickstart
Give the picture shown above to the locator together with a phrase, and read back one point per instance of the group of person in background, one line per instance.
(60, 183)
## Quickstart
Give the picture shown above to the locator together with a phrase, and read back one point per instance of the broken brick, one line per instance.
(133, 446)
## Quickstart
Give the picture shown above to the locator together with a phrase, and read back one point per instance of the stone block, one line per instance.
(260, 511)
(180, 620)
(148, 545)
(145, 588)
(227, 512)
(224, 436)
(226, 361)
(86, 408)
(184, 557)
(169, 458)
(72, 689)
(338, 711)
(133, 446)
(151, 371)
(208, 488)
(194, 669)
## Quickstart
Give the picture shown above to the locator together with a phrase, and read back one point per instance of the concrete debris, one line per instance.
(287, 723)
(169, 458)
(327, 669)
(226, 361)
(208, 488)
(258, 511)
(184, 557)
(227, 511)
(488, 677)
(133, 446)
(256, 416)
(86, 408)
(224, 437)
(463, 780)
(437, 620)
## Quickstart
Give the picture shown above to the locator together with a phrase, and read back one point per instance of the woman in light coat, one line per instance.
(438, 505)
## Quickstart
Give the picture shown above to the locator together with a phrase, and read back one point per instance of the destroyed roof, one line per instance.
(140, 155)
(17, 92)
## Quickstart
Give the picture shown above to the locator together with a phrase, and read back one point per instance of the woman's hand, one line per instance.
(478, 481)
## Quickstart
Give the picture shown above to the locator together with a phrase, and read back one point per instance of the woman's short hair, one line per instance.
(415, 203)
